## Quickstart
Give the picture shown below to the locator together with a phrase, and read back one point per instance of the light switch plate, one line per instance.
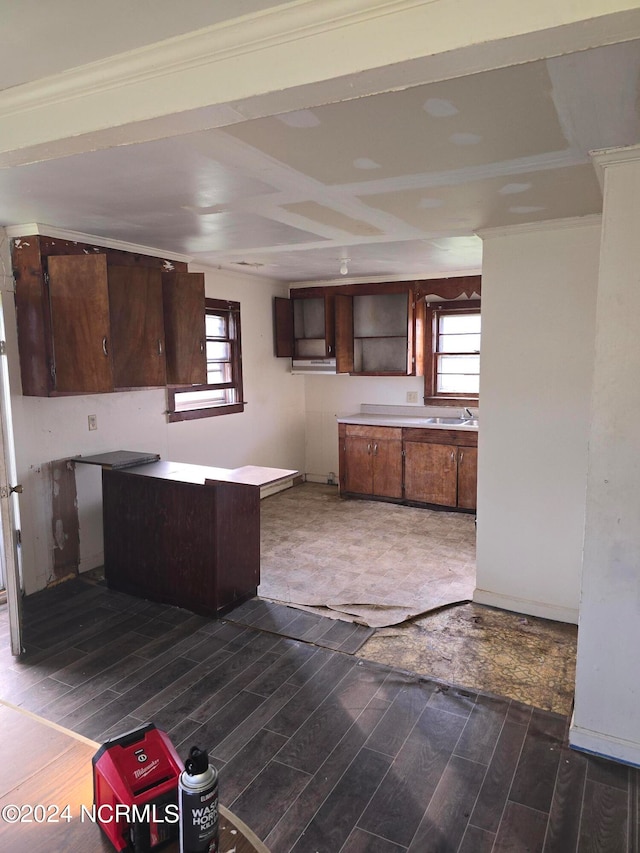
(93, 421)
(412, 396)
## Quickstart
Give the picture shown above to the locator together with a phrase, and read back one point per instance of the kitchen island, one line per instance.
(187, 535)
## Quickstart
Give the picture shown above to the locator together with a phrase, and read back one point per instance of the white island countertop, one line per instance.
(248, 475)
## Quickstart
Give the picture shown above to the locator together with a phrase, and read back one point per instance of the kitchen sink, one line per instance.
(453, 421)
(449, 421)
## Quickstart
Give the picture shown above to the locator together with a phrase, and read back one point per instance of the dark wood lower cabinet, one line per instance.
(194, 545)
(416, 465)
(431, 473)
(467, 477)
(373, 461)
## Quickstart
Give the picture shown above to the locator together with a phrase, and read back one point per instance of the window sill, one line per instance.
(205, 412)
(452, 401)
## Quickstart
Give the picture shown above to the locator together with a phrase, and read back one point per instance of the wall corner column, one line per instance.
(607, 703)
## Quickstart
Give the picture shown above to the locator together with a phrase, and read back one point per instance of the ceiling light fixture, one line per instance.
(344, 268)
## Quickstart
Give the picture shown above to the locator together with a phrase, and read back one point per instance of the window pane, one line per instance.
(186, 400)
(459, 343)
(458, 374)
(459, 364)
(216, 326)
(218, 351)
(459, 324)
(455, 383)
(217, 373)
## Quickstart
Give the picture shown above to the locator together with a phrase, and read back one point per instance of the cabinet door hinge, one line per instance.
(45, 276)
(3, 347)
(19, 537)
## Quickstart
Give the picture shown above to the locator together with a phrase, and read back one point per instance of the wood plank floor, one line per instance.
(342, 636)
(320, 751)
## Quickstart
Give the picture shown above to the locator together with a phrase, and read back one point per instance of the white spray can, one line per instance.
(198, 804)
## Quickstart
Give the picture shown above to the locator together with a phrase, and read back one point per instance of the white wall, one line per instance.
(538, 322)
(327, 397)
(269, 432)
(607, 705)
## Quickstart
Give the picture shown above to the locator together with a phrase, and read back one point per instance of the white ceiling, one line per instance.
(399, 183)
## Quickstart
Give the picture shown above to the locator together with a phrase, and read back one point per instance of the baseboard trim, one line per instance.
(605, 746)
(321, 478)
(526, 605)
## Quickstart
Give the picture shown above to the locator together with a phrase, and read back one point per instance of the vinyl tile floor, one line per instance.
(319, 751)
(310, 534)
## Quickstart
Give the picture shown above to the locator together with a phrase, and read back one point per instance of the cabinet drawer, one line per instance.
(374, 432)
(459, 437)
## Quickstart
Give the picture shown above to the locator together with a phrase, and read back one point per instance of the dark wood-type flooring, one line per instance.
(337, 634)
(320, 751)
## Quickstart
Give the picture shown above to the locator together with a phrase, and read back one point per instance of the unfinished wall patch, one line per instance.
(64, 518)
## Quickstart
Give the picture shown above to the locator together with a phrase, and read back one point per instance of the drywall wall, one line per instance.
(538, 327)
(328, 397)
(269, 432)
(607, 703)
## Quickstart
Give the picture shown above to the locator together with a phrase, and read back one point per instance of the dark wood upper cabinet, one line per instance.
(283, 322)
(379, 333)
(137, 327)
(90, 319)
(305, 324)
(107, 325)
(344, 333)
(80, 324)
(183, 298)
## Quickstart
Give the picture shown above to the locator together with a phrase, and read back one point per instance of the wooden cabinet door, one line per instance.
(467, 477)
(137, 327)
(344, 333)
(330, 322)
(430, 473)
(184, 326)
(359, 465)
(283, 322)
(387, 468)
(80, 329)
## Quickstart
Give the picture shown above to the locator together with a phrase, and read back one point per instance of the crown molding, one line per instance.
(247, 34)
(605, 157)
(593, 219)
(382, 279)
(34, 229)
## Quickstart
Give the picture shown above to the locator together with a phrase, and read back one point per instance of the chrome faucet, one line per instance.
(467, 413)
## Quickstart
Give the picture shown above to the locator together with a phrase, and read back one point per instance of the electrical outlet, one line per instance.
(412, 396)
(93, 421)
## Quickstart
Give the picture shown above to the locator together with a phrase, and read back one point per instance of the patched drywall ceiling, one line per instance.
(397, 183)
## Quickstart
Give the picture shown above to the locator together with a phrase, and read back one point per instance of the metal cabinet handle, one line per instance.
(159, 347)
(201, 346)
(104, 346)
(375, 449)
(453, 455)
(461, 457)
(368, 448)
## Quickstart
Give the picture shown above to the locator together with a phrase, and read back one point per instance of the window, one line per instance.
(222, 394)
(453, 352)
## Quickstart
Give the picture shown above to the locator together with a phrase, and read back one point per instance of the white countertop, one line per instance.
(250, 475)
(403, 420)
